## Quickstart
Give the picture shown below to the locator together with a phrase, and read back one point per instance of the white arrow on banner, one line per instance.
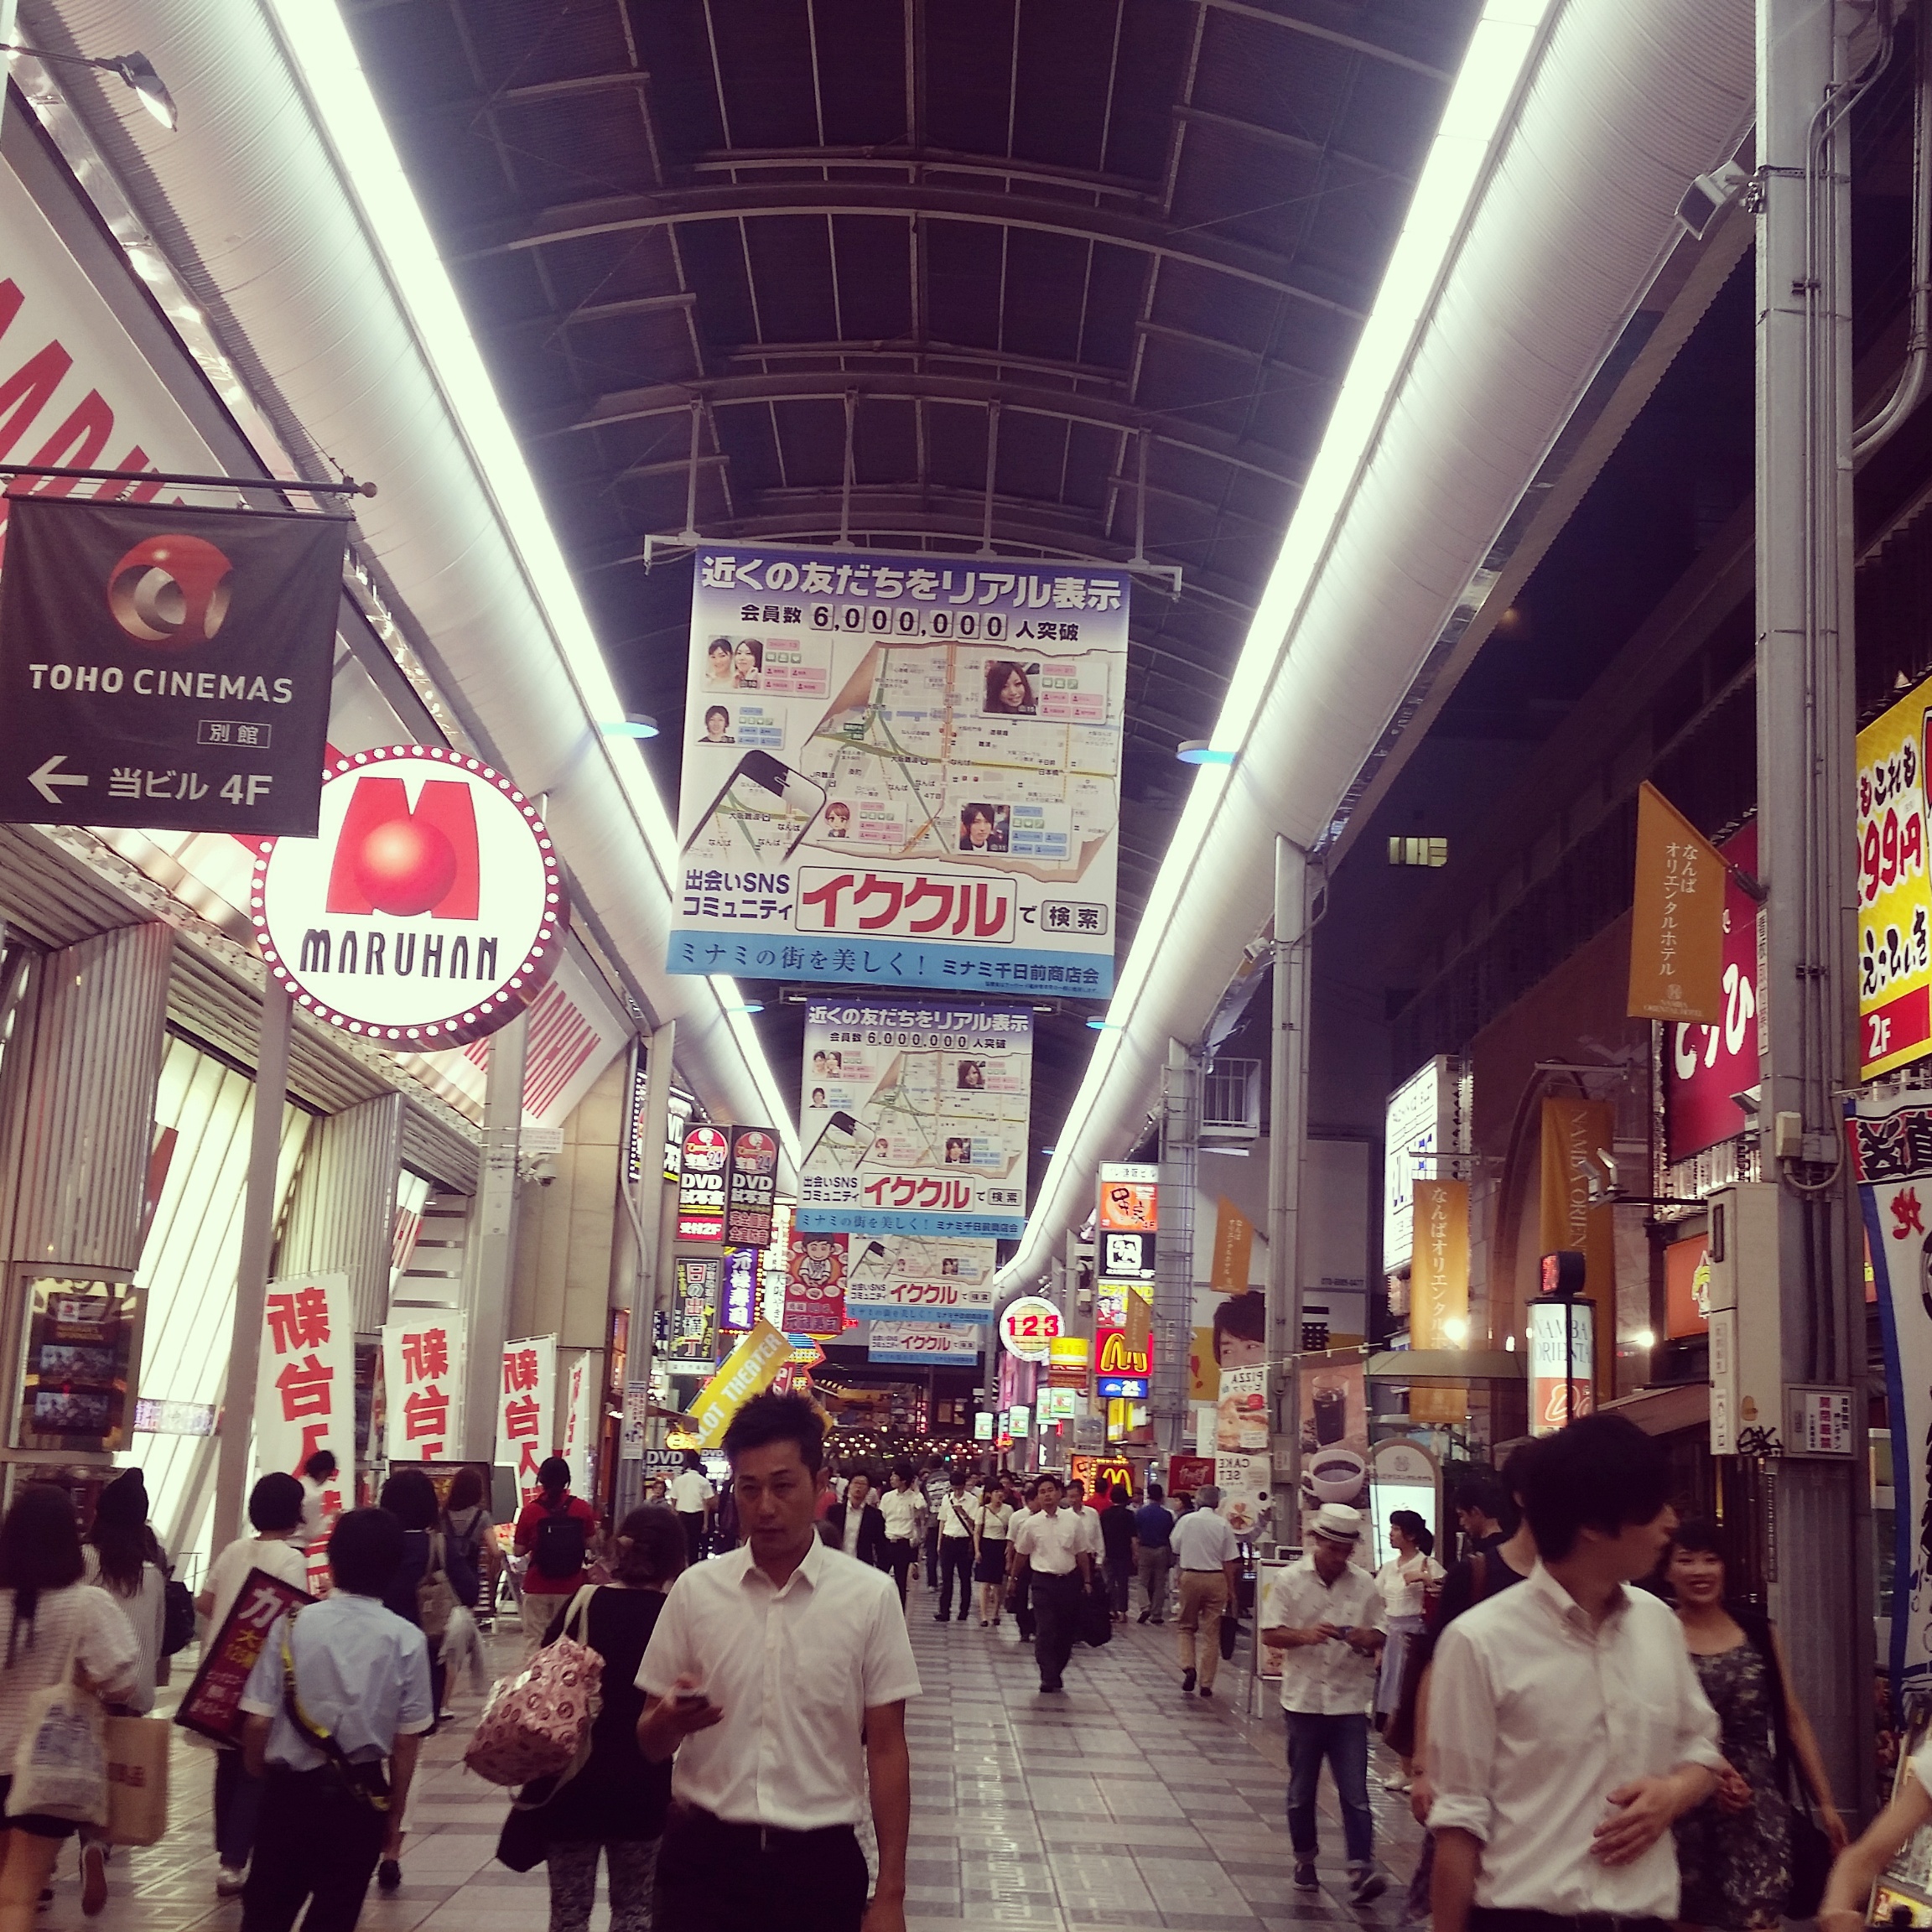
(46, 778)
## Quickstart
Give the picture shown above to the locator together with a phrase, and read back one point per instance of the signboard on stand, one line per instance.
(902, 770)
(916, 1118)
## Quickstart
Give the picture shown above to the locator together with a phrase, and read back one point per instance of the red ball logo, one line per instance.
(405, 867)
(170, 590)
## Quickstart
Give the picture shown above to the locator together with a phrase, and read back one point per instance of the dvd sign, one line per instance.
(701, 1185)
(427, 912)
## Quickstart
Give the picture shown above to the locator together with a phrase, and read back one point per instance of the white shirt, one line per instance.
(993, 1520)
(901, 1509)
(145, 1610)
(1052, 1544)
(794, 1670)
(229, 1572)
(1331, 1678)
(1088, 1519)
(855, 1522)
(1534, 1717)
(956, 1514)
(1401, 1580)
(1204, 1540)
(690, 1491)
(78, 1625)
(312, 1494)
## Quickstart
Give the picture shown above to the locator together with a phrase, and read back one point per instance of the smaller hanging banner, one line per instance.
(305, 1385)
(423, 1379)
(738, 1305)
(754, 1187)
(580, 1422)
(526, 1414)
(1234, 1248)
(1677, 920)
(1439, 1266)
(701, 1184)
(941, 1343)
(815, 1284)
(694, 1337)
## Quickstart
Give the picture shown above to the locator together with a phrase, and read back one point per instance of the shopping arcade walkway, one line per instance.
(1118, 1804)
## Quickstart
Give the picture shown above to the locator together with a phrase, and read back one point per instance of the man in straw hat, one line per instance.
(1323, 1614)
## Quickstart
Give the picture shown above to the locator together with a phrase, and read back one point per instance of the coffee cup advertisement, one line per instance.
(1334, 1425)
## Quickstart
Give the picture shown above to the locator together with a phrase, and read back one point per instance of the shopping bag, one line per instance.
(538, 1724)
(60, 1765)
(137, 1755)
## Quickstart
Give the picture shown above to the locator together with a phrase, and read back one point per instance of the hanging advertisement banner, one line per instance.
(1439, 1270)
(1123, 1336)
(580, 1423)
(305, 1382)
(815, 1270)
(527, 1410)
(1333, 1407)
(701, 1184)
(915, 1119)
(1070, 1362)
(738, 1303)
(1234, 1248)
(422, 1380)
(427, 911)
(1677, 917)
(1574, 1131)
(1241, 1446)
(1420, 1123)
(166, 666)
(748, 1369)
(1894, 897)
(942, 1343)
(901, 771)
(896, 1276)
(1706, 1065)
(1891, 1155)
(753, 1187)
(694, 1335)
(1561, 1373)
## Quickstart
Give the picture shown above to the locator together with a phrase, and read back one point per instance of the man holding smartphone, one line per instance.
(775, 1680)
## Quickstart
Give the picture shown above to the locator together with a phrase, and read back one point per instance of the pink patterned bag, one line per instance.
(538, 1724)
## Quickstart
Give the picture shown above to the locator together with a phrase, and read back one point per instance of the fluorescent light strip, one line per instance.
(1478, 112)
(318, 40)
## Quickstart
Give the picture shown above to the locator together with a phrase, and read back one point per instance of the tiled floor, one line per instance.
(1117, 1804)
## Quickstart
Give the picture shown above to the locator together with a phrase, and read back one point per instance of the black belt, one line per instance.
(763, 1838)
(1500, 1919)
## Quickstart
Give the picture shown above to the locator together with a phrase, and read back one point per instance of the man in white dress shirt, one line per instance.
(1568, 1729)
(775, 1680)
(1208, 1558)
(1058, 1550)
(1323, 1614)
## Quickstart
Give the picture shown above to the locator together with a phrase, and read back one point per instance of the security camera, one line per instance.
(1709, 195)
(542, 1168)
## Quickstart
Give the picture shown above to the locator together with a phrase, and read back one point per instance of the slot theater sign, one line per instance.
(429, 912)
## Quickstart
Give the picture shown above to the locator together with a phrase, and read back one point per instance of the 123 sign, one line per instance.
(165, 666)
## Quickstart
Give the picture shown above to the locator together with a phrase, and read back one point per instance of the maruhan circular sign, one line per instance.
(427, 911)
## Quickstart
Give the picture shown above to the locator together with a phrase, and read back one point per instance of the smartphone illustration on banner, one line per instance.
(764, 802)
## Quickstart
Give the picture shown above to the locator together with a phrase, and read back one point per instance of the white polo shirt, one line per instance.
(794, 1670)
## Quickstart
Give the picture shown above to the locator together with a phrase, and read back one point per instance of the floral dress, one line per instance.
(1735, 1866)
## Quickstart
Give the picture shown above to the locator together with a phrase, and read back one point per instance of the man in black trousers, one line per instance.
(1054, 1545)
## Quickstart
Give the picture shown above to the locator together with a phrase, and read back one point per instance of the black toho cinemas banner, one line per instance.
(163, 665)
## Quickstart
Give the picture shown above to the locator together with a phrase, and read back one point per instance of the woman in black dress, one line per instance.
(1734, 1850)
(617, 1803)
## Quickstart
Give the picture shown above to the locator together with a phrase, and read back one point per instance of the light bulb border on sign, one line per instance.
(516, 989)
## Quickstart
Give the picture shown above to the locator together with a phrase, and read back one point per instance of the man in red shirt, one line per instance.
(558, 1532)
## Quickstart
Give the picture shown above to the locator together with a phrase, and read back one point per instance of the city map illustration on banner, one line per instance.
(903, 1277)
(902, 770)
(915, 1121)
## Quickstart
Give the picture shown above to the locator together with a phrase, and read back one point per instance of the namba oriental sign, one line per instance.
(429, 910)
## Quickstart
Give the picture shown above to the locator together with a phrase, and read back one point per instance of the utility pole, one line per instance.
(1807, 718)
(1174, 1248)
(1287, 1134)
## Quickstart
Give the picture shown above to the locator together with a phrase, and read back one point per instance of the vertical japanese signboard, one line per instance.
(1419, 1124)
(1127, 1221)
(580, 1422)
(423, 1377)
(915, 1119)
(1438, 1271)
(701, 1184)
(305, 1384)
(1894, 899)
(1677, 917)
(1707, 1064)
(753, 1187)
(815, 1266)
(527, 1415)
(738, 1305)
(902, 770)
(694, 1317)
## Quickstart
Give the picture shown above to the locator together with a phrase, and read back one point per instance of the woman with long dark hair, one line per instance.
(471, 1537)
(54, 1622)
(1404, 1582)
(1734, 1850)
(616, 1805)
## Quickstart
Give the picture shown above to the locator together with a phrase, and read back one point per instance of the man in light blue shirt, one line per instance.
(361, 1695)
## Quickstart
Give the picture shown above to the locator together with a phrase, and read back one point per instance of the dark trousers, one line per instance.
(1343, 1741)
(237, 1809)
(694, 1522)
(955, 1559)
(1120, 1579)
(317, 1843)
(933, 1557)
(713, 1877)
(1056, 1614)
(899, 1560)
(1023, 1604)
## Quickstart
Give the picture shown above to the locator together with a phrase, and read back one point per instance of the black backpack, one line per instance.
(177, 1617)
(558, 1551)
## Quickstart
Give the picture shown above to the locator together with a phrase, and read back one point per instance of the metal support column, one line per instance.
(251, 1272)
(1174, 1249)
(1806, 713)
(493, 1242)
(1287, 1139)
(645, 1204)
